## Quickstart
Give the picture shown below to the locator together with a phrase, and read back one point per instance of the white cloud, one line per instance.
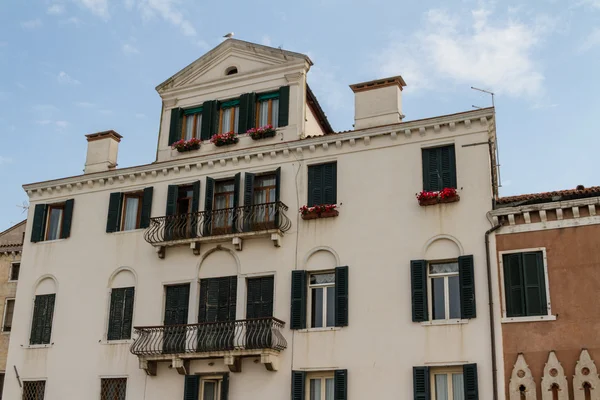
(167, 9)
(56, 123)
(477, 51)
(56, 9)
(98, 7)
(84, 104)
(5, 160)
(592, 40)
(129, 49)
(266, 40)
(140, 116)
(66, 79)
(32, 24)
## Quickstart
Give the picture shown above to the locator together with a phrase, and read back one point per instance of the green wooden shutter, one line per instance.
(128, 313)
(195, 207)
(329, 183)
(212, 300)
(253, 298)
(247, 112)
(43, 311)
(466, 276)
(421, 383)
(431, 176)
(208, 205)
(447, 166)
(284, 106)
(315, 183)
(114, 213)
(259, 300)
(172, 200)
(237, 227)
(203, 300)
(535, 284)
(248, 200)
(513, 285)
(277, 195)
(65, 230)
(298, 385)
(418, 286)
(175, 128)
(39, 223)
(48, 315)
(341, 296)
(191, 387)
(471, 385)
(225, 387)
(298, 309)
(115, 319)
(340, 384)
(210, 119)
(146, 207)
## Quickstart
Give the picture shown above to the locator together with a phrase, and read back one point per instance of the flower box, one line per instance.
(320, 211)
(224, 139)
(446, 195)
(186, 145)
(451, 199)
(428, 202)
(263, 132)
(326, 214)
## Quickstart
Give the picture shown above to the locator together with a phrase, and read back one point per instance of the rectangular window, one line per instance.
(132, 211)
(447, 384)
(222, 216)
(9, 310)
(265, 192)
(322, 300)
(525, 288)
(445, 291)
(267, 110)
(192, 124)
(439, 168)
(210, 388)
(14, 271)
(320, 387)
(322, 184)
(121, 313)
(34, 390)
(41, 325)
(229, 115)
(54, 221)
(113, 388)
(1, 384)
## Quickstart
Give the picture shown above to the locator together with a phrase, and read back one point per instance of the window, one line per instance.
(447, 384)
(41, 326)
(231, 71)
(192, 124)
(210, 388)
(525, 286)
(321, 387)
(129, 211)
(439, 168)
(9, 310)
(322, 300)
(222, 216)
(1, 384)
(264, 192)
(52, 221)
(132, 210)
(34, 390)
(322, 182)
(14, 271)
(121, 313)
(445, 290)
(325, 385)
(229, 115)
(206, 387)
(113, 388)
(267, 110)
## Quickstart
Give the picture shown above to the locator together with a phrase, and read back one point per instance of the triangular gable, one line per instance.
(14, 234)
(248, 57)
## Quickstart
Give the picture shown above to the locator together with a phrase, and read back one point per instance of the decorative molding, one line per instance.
(521, 381)
(539, 226)
(554, 376)
(586, 372)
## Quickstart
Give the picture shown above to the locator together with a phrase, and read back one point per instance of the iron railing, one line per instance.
(254, 218)
(249, 334)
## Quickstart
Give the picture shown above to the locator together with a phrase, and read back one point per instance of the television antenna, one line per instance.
(492, 94)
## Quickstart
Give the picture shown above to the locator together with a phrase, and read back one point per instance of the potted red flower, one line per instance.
(223, 139)
(319, 211)
(449, 195)
(186, 145)
(427, 198)
(266, 131)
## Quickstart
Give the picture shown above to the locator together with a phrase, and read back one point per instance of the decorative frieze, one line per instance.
(522, 385)
(554, 384)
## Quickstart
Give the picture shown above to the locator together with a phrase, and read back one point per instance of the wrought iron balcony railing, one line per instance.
(254, 218)
(250, 334)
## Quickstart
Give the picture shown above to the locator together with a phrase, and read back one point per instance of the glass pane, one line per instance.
(275, 113)
(329, 389)
(458, 388)
(454, 296)
(437, 298)
(264, 181)
(226, 123)
(189, 127)
(316, 279)
(224, 186)
(315, 389)
(263, 115)
(236, 119)
(131, 213)
(443, 268)
(198, 125)
(441, 387)
(54, 223)
(317, 308)
(331, 306)
(210, 391)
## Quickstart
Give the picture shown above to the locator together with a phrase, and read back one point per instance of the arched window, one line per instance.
(122, 294)
(231, 71)
(43, 311)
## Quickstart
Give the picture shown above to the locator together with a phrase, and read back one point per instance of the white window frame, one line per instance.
(4, 314)
(505, 319)
(446, 320)
(10, 271)
(309, 299)
(218, 379)
(322, 376)
(448, 371)
(50, 207)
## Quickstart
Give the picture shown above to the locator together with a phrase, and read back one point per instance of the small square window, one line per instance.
(9, 310)
(34, 390)
(320, 387)
(322, 300)
(14, 271)
(447, 384)
(445, 290)
(113, 388)
(525, 290)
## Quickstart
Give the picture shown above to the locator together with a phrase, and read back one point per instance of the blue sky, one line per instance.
(71, 67)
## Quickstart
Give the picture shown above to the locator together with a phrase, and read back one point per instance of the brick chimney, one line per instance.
(378, 102)
(102, 151)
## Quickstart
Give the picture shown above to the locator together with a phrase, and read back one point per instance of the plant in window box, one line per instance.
(223, 139)
(320, 211)
(449, 195)
(186, 145)
(266, 131)
(427, 198)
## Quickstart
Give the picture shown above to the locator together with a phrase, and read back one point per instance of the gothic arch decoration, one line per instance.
(521, 381)
(586, 373)
(554, 379)
(202, 263)
(318, 249)
(448, 245)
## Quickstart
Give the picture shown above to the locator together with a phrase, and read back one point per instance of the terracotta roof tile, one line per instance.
(546, 197)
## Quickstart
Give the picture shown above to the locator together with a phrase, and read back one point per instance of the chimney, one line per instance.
(378, 102)
(102, 151)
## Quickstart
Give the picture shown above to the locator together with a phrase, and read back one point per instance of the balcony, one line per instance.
(229, 340)
(257, 220)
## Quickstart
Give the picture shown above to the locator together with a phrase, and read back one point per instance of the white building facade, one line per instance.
(196, 277)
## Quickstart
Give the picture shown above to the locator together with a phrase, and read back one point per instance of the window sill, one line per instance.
(50, 241)
(327, 329)
(445, 322)
(128, 231)
(113, 342)
(37, 346)
(5, 332)
(538, 318)
(13, 281)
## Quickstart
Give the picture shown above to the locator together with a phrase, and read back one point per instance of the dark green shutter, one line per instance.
(172, 200)
(65, 230)
(535, 283)
(418, 286)
(203, 300)
(259, 301)
(284, 105)
(466, 276)
(439, 168)
(298, 385)
(431, 177)
(513, 285)
(225, 387)
(41, 326)
(315, 183)
(128, 313)
(329, 183)
(191, 387)
(237, 227)
(196, 196)
(471, 385)
(114, 212)
(210, 119)
(39, 223)
(175, 128)
(247, 112)
(341, 296)
(340, 384)
(298, 309)
(421, 383)
(448, 166)
(146, 207)
(277, 195)
(208, 205)
(248, 200)
(177, 304)
(115, 318)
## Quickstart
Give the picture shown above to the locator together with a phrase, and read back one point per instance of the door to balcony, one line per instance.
(216, 314)
(176, 315)
(259, 307)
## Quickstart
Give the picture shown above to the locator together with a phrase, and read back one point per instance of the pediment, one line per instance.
(246, 57)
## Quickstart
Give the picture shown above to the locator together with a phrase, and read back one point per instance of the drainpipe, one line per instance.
(491, 310)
